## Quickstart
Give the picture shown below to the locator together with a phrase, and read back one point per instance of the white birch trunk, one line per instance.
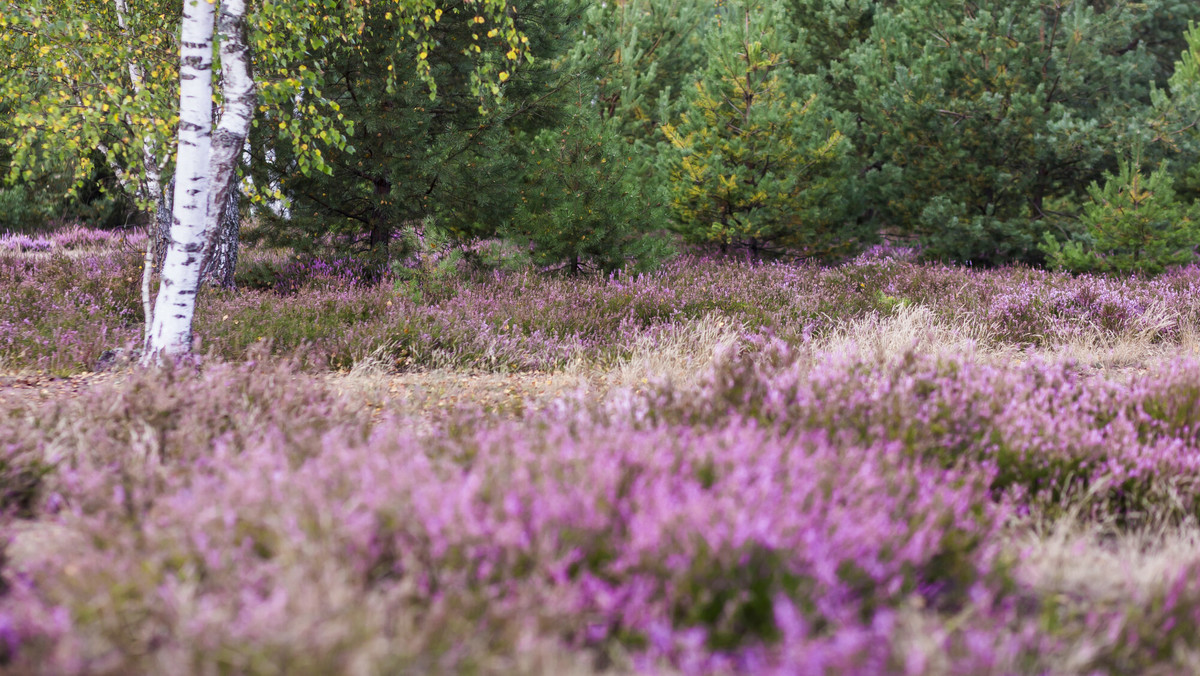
(237, 89)
(170, 332)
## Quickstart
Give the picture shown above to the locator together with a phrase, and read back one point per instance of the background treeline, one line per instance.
(1059, 132)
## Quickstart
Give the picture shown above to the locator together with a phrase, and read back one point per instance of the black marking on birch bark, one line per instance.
(195, 62)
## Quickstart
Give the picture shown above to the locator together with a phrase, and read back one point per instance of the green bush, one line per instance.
(1133, 224)
(22, 210)
(980, 122)
(581, 206)
(756, 160)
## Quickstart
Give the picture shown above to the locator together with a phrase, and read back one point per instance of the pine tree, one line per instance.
(983, 123)
(1177, 108)
(756, 161)
(581, 205)
(642, 55)
(1132, 224)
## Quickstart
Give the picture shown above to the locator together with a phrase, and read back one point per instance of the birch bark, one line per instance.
(227, 143)
(206, 166)
(171, 328)
(222, 263)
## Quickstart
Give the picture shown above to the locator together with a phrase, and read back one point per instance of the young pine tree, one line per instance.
(582, 206)
(755, 161)
(640, 55)
(1133, 224)
(1177, 110)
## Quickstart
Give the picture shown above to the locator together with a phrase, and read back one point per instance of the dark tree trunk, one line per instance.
(220, 267)
(222, 264)
(379, 237)
(381, 228)
(381, 234)
(162, 224)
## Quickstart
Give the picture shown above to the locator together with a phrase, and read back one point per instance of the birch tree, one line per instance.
(74, 76)
(203, 164)
(94, 81)
(68, 74)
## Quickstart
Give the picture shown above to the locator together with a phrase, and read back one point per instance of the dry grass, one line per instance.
(879, 338)
(1139, 348)
(679, 355)
(1077, 558)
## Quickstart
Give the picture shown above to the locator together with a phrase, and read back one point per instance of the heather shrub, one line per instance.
(257, 275)
(60, 313)
(71, 238)
(66, 307)
(341, 325)
(1050, 434)
(157, 419)
(27, 243)
(792, 511)
(1129, 629)
(312, 272)
(208, 506)
(21, 477)
(1161, 628)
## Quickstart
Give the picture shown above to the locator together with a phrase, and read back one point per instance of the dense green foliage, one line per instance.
(755, 160)
(412, 157)
(50, 194)
(806, 128)
(972, 129)
(1134, 223)
(983, 123)
(580, 202)
(39, 205)
(644, 53)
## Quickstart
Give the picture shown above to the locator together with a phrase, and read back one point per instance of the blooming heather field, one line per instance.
(883, 467)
